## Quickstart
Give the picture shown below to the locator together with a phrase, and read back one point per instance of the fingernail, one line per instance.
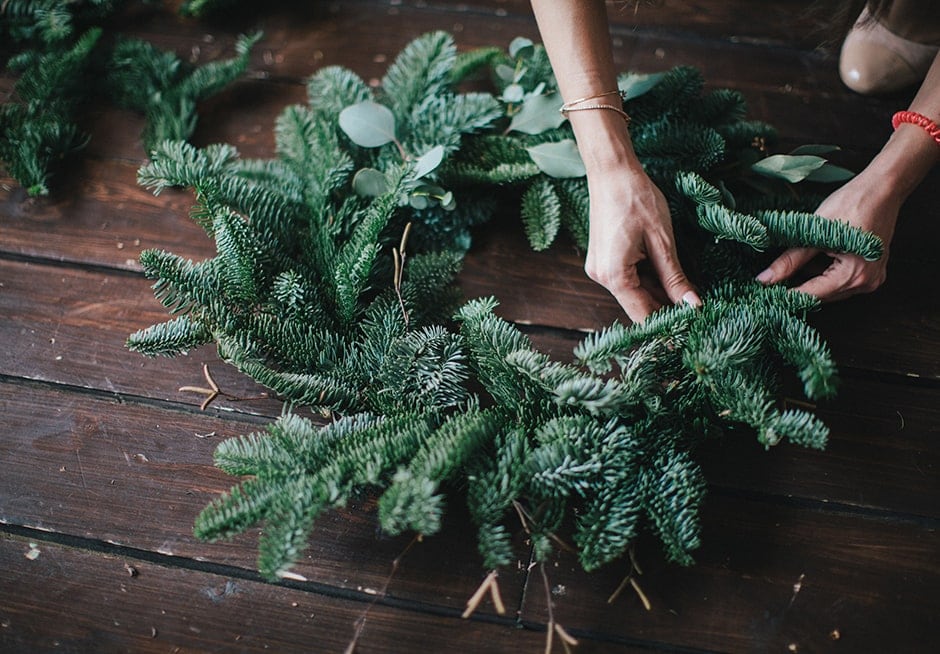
(691, 298)
(765, 276)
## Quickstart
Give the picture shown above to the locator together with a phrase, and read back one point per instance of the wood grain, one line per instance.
(71, 600)
(767, 576)
(106, 463)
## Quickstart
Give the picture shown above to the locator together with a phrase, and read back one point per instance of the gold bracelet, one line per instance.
(626, 117)
(569, 105)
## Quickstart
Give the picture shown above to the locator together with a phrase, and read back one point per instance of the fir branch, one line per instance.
(179, 164)
(411, 501)
(800, 428)
(334, 88)
(237, 510)
(290, 519)
(166, 90)
(798, 229)
(355, 259)
(541, 213)
(801, 346)
(492, 486)
(181, 284)
(420, 71)
(732, 225)
(575, 207)
(675, 488)
(693, 186)
(470, 62)
(171, 338)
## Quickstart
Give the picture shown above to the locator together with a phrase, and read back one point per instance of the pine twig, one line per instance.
(526, 519)
(631, 580)
(398, 256)
(211, 393)
(361, 621)
(567, 640)
(489, 585)
(214, 391)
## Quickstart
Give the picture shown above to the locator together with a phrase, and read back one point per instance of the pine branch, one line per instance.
(541, 214)
(421, 71)
(171, 338)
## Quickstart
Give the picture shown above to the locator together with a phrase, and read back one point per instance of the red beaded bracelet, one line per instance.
(920, 120)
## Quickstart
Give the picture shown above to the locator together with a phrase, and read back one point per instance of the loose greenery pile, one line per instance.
(333, 285)
(63, 59)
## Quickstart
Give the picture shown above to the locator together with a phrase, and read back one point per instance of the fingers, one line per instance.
(628, 290)
(845, 277)
(786, 264)
(640, 294)
(825, 287)
(637, 302)
(665, 262)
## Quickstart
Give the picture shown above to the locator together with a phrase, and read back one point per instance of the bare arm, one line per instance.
(872, 201)
(630, 220)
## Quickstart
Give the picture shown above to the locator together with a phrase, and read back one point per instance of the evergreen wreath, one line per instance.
(333, 285)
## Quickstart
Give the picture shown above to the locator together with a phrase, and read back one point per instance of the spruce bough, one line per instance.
(333, 285)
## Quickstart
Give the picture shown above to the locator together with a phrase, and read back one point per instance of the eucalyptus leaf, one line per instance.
(429, 161)
(369, 182)
(792, 168)
(633, 85)
(521, 47)
(419, 201)
(513, 94)
(828, 173)
(368, 124)
(538, 114)
(505, 72)
(815, 148)
(560, 159)
(448, 202)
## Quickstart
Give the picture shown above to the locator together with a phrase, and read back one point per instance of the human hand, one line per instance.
(863, 203)
(630, 223)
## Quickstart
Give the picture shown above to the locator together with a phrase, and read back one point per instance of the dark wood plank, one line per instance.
(67, 600)
(769, 578)
(780, 22)
(49, 314)
(880, 455)
(152, 468)
(100, 216)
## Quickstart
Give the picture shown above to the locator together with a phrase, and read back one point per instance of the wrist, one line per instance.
(905, 159)
(604, 141)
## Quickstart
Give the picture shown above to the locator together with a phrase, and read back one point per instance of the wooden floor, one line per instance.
(104, 463)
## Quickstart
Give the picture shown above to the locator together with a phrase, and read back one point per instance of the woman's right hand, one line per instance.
(630, 223)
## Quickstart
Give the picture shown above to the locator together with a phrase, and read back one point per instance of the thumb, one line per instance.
(786, 264)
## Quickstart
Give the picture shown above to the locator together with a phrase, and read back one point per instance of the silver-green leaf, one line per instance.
(560, 159)
(368, 124)
(792, 168)
(828, 173)
(429, 161)
(633, 85)
(538, 114)
(369, 182)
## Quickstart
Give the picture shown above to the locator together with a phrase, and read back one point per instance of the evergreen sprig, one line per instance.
(63, 62)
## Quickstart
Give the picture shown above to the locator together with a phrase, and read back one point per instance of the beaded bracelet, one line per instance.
(610, 107)
(920, 120)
